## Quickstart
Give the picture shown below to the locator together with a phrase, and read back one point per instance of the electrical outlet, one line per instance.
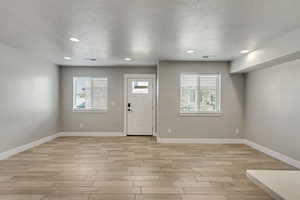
(169, 130)
(81, 125)
(237, 131)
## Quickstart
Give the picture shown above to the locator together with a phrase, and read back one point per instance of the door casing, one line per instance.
(133, 76)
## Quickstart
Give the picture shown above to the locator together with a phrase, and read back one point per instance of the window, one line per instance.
(200, 93)
(89, 93)
(140, 87)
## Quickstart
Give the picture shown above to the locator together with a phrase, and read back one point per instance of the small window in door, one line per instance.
(140, 87)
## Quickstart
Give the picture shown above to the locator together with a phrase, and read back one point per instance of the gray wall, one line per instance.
(110, 121)
(29, 101)
(272, 108)
(199, 127)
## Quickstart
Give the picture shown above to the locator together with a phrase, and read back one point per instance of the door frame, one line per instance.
(146, 76)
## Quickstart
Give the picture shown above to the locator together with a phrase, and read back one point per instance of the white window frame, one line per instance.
(88, 109)
(219, 97)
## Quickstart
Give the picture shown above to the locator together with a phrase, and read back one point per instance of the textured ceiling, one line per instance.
(146, 30)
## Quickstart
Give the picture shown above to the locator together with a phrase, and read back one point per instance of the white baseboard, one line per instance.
(11, 152)
(200, 140)
(92, 134)
(268, 151)
(274, 154)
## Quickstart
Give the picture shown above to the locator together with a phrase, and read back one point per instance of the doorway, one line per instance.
(140, 106)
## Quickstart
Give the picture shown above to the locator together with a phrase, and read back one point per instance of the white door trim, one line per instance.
(150, 76)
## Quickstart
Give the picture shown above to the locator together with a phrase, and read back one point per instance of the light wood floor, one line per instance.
(132, 168)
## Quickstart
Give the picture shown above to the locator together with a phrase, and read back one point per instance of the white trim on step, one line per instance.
(92, 134)
(200, 140)
(274, 154)
(16, 150)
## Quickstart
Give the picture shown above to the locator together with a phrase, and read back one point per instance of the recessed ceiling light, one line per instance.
(67, 58)
(73, 39)
(244, 51)
(128, 59)
(190, 51)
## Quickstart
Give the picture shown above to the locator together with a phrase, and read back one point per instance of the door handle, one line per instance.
(129, 107)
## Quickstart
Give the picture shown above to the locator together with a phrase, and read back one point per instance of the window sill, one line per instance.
(89, 111)
(207, 114)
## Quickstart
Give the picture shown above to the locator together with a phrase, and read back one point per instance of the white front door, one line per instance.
(140, 106)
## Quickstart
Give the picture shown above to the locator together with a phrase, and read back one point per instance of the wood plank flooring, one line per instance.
(132, 168)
